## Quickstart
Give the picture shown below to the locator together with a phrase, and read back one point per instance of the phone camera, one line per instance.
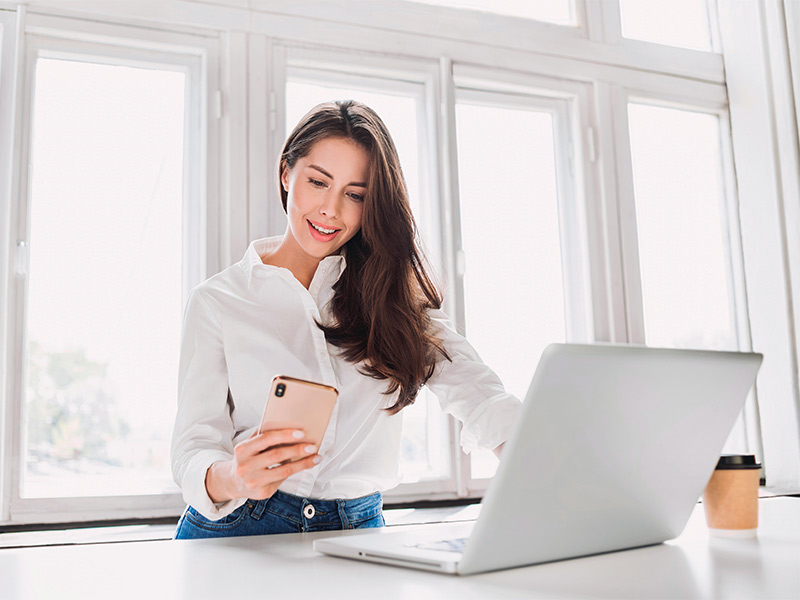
(280, 389)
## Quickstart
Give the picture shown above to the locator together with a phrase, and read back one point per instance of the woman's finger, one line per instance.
(281, 454)
(287, 470)
(266, 439)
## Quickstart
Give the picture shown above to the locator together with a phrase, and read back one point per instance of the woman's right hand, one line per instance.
(260, 465)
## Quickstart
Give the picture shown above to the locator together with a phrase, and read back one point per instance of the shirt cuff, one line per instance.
(194, 486)
(491, 423)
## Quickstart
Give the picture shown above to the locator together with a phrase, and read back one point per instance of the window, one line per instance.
(683, 226)
(682, 23)
(514, 296)
(560, 12)
(111, 228)
(105, 288)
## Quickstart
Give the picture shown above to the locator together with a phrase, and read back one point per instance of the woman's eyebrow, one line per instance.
(324, 172)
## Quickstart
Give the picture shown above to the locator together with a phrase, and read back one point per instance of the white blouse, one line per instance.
(253, 321)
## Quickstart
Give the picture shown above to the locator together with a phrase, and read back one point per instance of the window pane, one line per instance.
(425, 451)
(514, 298)
(560, 12)
(682, 23)
(681, 221)
(104, 303)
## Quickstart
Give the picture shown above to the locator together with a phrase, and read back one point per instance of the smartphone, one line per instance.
(299, 404)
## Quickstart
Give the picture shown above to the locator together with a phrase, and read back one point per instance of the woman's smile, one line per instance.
(320, 233)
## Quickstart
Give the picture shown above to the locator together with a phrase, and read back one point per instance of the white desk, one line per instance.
(285, 566)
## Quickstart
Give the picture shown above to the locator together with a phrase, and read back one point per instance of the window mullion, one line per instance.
(608, 289)
(612, 21)
(19, 59)
(632, 279)
(453, 255)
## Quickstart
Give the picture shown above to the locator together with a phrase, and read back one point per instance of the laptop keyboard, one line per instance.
(456, 545)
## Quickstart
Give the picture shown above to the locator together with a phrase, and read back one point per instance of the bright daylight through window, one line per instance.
(513, 288)
(105, 298)
(560, 12)
(683, 229)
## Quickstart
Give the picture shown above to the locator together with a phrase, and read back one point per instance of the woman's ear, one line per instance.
(285, 177)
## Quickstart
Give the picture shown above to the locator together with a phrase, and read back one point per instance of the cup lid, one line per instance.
(738, 461)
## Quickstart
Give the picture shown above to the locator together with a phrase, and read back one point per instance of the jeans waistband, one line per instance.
(298, 502)
(305, 510)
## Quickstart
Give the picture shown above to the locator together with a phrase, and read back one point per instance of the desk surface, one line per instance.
(286, 566)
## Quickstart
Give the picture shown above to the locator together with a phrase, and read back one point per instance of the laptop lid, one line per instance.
(614, 446)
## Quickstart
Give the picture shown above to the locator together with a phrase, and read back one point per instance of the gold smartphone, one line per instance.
(299, 404)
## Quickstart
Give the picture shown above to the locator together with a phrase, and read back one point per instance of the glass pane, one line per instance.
(560, 12)
(104, 304)
(425, 453)
(680, 215)
(513, 286)
(682, 23)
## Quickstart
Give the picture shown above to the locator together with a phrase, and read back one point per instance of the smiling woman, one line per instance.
(342, 298)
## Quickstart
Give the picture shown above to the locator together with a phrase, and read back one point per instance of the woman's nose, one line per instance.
(330, 205)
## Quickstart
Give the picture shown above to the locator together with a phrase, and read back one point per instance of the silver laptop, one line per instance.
(612, 449)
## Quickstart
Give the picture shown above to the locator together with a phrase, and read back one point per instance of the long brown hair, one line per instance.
(380, 302)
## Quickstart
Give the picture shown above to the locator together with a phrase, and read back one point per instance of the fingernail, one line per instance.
(310, 449)
(297, 434)
(317, 460)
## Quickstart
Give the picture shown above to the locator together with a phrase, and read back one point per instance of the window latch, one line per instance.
(21, 262)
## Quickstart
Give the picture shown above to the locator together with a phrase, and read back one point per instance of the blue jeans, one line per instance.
(284, 513)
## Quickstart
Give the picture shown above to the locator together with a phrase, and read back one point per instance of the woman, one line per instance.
(342, 298)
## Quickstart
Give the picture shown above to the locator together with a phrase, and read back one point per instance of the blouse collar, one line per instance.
(252, 263)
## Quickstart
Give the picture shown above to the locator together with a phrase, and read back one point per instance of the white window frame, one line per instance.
(47, 36)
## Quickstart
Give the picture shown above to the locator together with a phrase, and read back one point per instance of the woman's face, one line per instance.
(325, 192)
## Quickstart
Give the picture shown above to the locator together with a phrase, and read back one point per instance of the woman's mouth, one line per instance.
(320, 233)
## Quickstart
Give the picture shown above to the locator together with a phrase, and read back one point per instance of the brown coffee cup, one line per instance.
(730, 499)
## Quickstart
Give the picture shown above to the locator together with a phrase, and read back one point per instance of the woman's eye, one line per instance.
(316, 182)
(356, 197)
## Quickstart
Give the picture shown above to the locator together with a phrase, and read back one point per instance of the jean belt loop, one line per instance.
(259, 508)
(340, 504)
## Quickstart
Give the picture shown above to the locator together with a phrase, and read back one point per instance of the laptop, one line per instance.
(613, 447)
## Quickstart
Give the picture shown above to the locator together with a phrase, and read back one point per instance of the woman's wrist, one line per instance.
(218, 482)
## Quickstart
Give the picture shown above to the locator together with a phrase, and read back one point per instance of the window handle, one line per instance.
(21, 263)
(461, 263)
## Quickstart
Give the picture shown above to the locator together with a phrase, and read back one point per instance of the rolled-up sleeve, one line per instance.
(203, 432)
(470, 391)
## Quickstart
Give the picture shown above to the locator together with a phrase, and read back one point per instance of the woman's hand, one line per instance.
(499, 450)
(260, 465)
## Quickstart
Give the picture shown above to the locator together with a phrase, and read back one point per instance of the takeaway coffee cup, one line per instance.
(731, 497)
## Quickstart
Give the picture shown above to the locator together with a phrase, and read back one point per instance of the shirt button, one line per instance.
(309, 511)
(323, 354)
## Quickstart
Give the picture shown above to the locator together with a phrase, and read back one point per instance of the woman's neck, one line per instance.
(290, 256)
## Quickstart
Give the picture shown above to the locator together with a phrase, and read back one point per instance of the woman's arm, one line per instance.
(470, 391)
(203, 431)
